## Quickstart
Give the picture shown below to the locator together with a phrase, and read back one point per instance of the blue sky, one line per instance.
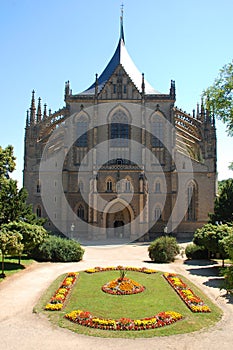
(45, 43)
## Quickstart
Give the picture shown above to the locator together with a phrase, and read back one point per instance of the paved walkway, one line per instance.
(21, 329)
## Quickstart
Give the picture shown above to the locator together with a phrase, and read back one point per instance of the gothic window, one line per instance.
(127, 186)
(119, 130)
(80, 212)
(82, 139)
(191, 198)
(157, 187)
(38, 211)
(157, 136)
(158, 214)
(109, 186)
(125, 89)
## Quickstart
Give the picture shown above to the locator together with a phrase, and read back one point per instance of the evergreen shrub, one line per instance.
(193, 251)
(163, 249)
(57, 249)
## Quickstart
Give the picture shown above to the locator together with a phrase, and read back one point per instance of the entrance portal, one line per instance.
(117, 217)
(118, 229)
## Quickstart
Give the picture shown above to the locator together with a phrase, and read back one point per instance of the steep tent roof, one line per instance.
(122, 57)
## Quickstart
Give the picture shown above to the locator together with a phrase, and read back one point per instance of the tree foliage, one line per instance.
(223, 207)
(57, 249)
(212, 238)
(219, 96)
(228, 272)
(13, 202)
(163, 249)
(10, 243)
(32, 235)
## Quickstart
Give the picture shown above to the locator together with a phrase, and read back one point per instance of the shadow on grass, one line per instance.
(10, 266)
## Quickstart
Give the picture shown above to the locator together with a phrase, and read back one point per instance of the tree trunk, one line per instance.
(3, 267)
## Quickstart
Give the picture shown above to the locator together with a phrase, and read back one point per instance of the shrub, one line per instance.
(193, 251)
(57, 249)
(163, 249)
(228, 279)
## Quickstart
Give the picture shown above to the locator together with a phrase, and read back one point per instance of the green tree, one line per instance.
(10, 243)
(219, 96)
(228, 271)
(13, 202)
(32, 235)
(212, 238)
(223, 206)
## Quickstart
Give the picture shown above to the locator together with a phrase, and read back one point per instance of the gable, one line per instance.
(119, 86)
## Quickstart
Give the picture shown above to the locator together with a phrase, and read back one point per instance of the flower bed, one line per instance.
(56, 303)
(186, 294)
(123, 286)
(85, 318)
(118, 268)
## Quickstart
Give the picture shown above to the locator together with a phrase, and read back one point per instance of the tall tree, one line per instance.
(13, 202)
(219, 98)
(212, 238)
(223, 206)
(32, 235)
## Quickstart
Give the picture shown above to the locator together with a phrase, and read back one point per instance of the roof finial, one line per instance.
(122, 27)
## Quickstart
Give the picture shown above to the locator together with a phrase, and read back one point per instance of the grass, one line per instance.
(12, 266)
(158, 296)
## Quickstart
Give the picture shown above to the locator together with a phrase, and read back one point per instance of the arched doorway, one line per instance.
(118, 214)
(119, 229)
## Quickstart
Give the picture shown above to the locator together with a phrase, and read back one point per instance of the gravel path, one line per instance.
(21, 329)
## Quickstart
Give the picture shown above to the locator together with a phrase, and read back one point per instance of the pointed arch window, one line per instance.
(38, 211)
(157, 134)
(82, 127)
(119, 130)
(127, 185)
(158, 213)
(157, 130)
(157, 187)
(191, 198)
(109, 185)
(80, 212)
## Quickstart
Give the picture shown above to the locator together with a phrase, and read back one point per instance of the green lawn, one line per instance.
(12, 266)
(158, 296)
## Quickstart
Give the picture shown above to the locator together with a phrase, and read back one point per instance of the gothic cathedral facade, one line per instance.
(120, 161)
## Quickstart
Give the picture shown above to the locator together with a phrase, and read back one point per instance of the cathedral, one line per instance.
(120, 162)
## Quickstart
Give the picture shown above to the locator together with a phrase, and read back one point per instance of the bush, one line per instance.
(163, 249)
(193, 251)
(228, 279)
(57, 249)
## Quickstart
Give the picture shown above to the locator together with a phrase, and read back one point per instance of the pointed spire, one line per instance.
(122, 37)
(67, 88)
(143, 85)
(202, 110)
(173, 89)
(96, 86)
(198, 112)
(27, 119)
(33, 109)
(39, 114)
(45, 111)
